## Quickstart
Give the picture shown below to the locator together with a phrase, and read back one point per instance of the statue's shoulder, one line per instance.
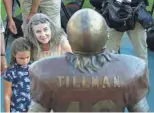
(40, 67)
(40, 72)
(129, 63)
(133, 73)
(129, 68)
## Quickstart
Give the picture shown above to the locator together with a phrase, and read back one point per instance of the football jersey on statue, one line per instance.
(120, 83)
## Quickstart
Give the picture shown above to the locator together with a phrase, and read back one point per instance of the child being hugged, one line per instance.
(16, 78)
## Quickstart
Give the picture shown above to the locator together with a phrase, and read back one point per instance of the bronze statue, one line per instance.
(90, 79)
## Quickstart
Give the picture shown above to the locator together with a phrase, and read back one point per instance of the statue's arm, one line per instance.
(36, 107)
(138, 101)
(36, 93)
(140, 106)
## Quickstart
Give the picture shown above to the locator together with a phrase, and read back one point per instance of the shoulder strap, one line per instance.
(13, 1)
(18, 3)
(82, 2)
(66, 12)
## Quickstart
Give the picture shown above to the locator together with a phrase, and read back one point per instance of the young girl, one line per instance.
(45, 38)
(16, 78)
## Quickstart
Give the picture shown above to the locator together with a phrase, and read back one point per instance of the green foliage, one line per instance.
(150, 5)
(3, 11)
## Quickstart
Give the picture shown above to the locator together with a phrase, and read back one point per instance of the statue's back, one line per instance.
(120, 82)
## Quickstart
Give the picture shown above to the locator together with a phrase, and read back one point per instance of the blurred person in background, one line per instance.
(30, 7)
(2, 48)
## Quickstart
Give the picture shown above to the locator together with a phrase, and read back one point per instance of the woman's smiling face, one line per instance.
(42, 32)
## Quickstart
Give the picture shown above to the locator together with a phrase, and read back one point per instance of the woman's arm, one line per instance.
(65, 46)
(7, 95)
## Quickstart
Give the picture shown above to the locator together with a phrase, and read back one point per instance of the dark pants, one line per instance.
(96, 3)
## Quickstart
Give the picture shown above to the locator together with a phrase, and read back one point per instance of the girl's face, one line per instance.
(42, 32)
(23, 57)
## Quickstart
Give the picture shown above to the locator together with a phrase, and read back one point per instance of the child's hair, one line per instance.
(19, 45)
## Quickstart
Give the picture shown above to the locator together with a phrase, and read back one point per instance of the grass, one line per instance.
(86, 5)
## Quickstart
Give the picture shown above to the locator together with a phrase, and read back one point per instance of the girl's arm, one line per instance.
(7, 95)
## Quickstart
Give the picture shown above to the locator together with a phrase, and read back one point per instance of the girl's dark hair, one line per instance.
(19, 45)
